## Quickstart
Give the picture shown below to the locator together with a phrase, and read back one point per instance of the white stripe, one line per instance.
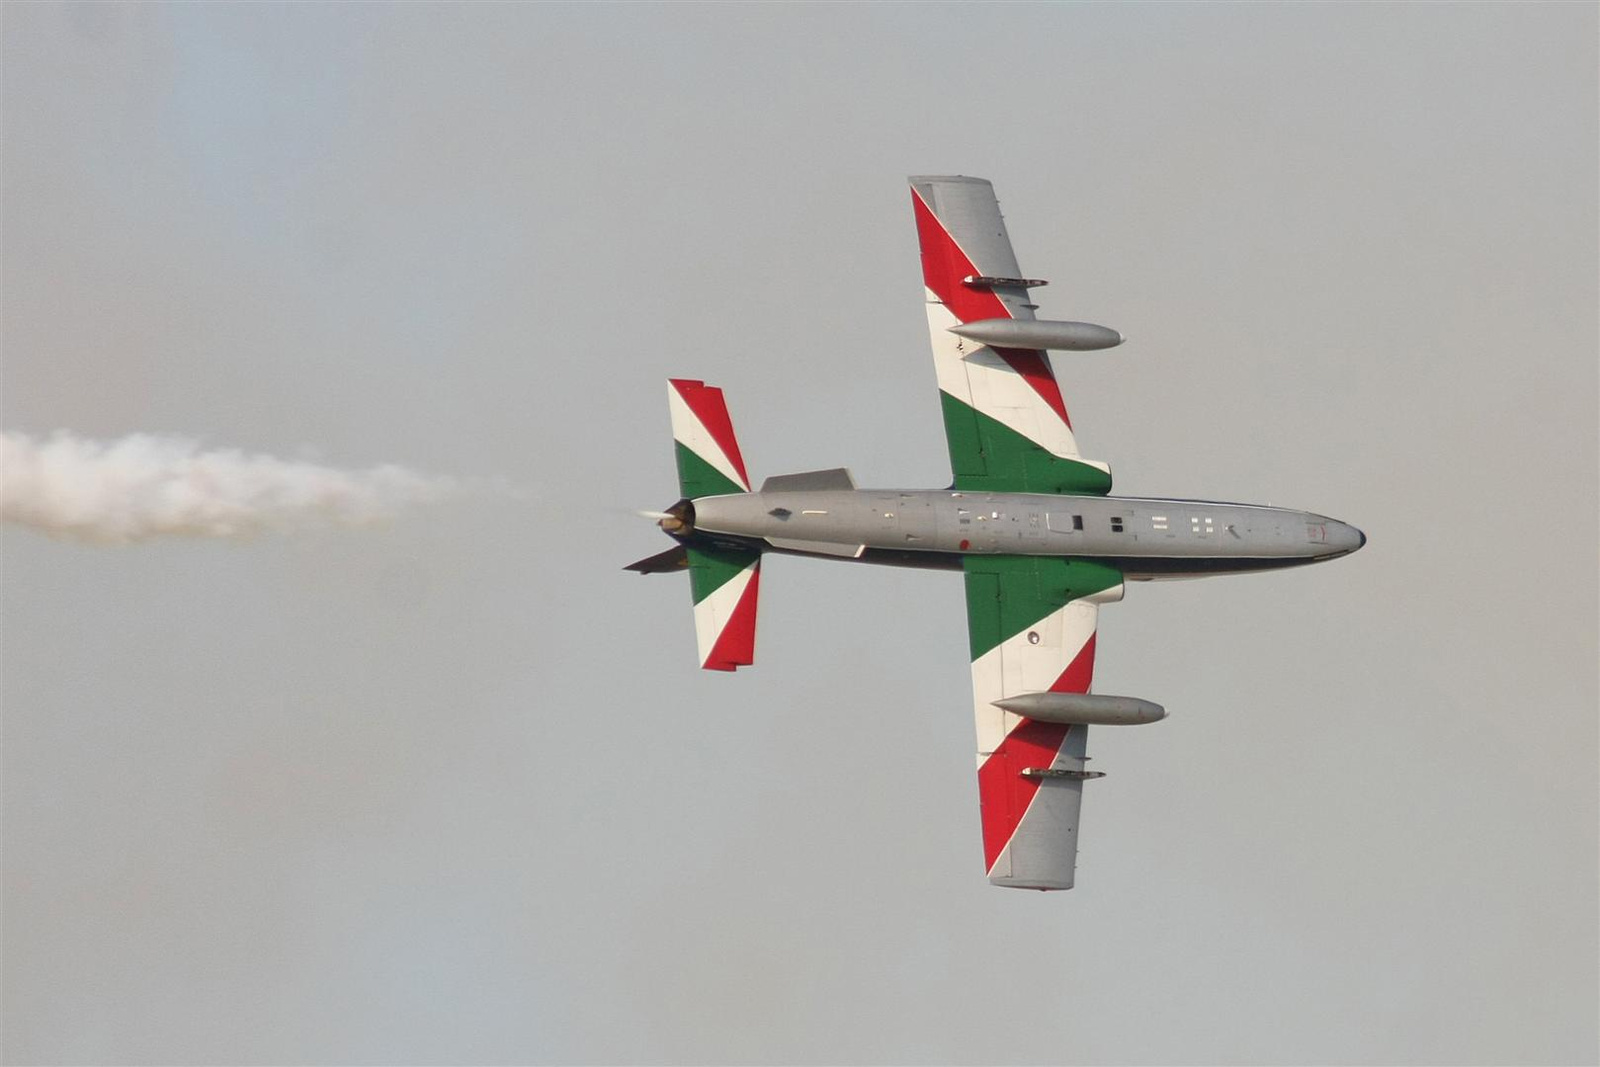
(975, 375)
(1018, 665)
(689, 431)
(711, 615)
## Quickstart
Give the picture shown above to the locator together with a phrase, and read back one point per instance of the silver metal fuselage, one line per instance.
(1146, 538)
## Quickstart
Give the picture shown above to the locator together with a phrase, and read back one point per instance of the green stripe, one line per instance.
(712, 568)
(988, 456)
(697, 478)
(1008, 594)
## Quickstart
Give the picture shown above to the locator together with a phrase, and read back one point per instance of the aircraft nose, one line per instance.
(1345, 538)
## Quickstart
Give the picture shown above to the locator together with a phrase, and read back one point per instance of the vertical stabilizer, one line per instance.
(709, 463)
(724, 581)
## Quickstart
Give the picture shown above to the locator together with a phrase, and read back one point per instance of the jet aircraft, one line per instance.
(1028, 521)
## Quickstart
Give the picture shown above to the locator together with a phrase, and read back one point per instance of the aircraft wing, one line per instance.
(1031, 622)
(1005, 420)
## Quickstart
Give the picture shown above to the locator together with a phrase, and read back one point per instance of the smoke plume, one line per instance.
(145, 486)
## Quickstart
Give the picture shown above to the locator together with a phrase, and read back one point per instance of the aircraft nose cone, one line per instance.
(1345, 538)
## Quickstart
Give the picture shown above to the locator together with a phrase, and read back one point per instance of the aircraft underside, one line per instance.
(1027, 519)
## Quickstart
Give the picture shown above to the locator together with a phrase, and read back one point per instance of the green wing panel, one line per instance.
(1008, 594)
(988, 456)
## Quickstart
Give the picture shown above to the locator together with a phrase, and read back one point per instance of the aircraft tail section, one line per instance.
(723, 580)
(725, 584)
(709, 462)
(1005, 420)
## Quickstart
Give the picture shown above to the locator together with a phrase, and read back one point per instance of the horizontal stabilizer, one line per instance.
(673, 559)
(836, 478)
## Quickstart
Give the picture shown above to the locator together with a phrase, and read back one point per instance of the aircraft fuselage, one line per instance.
(1144, 537)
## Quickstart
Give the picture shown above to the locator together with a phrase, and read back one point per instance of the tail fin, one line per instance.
(724, 581)
(709, 463)
(725, 584)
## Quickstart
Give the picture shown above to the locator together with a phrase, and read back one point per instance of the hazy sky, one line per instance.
(454, 790)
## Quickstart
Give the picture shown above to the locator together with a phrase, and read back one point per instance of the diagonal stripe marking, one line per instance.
(706, 403)
(944, 265)
(736, 645)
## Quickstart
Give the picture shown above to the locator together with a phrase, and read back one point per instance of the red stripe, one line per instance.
(1003, 793)
(944, 266)
(1036, 371)
(708, 406)
(1079, 673)
(736, 645)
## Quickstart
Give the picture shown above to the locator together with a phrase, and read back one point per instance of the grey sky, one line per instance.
(453, 790)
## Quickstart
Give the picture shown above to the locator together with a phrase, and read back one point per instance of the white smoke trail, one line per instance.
(144, 486)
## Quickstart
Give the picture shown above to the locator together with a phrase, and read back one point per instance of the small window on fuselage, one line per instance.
(1116, 524)
(1077, 522)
